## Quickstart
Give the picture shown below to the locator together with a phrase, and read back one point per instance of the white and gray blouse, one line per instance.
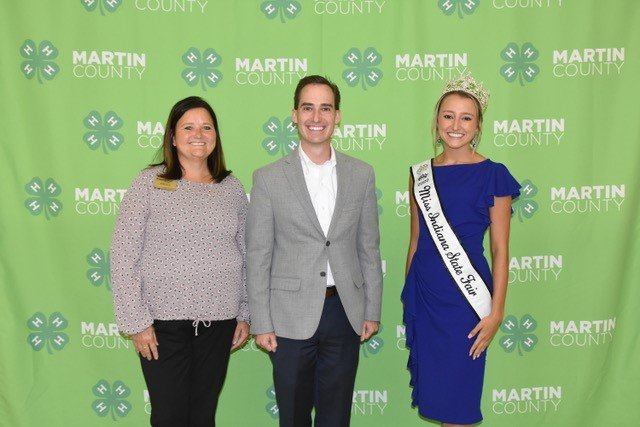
(179, 254)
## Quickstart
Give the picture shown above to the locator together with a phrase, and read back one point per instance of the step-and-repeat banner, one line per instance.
(86, 87)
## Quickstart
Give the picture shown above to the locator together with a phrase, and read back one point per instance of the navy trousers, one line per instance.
(318, 372)
(185, 382)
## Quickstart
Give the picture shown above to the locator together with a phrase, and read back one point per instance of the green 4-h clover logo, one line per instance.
(43, 197)
(466, 6)
(518, 334)
(47, 332)
(282, 137)
(379, 197)
(272, 406)
(363, 67)
(288, 9)
(202, 68)
(519, 63)
(111, 399)
(108, 5)
(39, 61)
(373, 345)
(103, 132)
(99, 272)
(524, 206)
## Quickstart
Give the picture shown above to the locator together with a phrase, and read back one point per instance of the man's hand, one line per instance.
(267, 341)
(369, 327)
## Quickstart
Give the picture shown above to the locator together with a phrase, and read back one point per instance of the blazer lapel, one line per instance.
(343, 178)
(295, 176)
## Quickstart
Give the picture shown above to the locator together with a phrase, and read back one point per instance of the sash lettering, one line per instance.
(449, 247)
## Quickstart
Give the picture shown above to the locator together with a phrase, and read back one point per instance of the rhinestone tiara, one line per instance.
(469, 85)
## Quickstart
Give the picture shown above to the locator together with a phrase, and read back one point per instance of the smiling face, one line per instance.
(457, 122)
(195, 136)
(316, 115)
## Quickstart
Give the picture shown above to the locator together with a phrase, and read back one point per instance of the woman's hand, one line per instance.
(484, 332)
(146, 344)
(240, 335)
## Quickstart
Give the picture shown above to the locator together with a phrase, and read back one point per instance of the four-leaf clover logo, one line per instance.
(282, 137)
(519, 63)
(108, 5)
(379, 197)
(39, 60)
(524, 205)
(272, 406)
(47, 332)
(44, 197)
(288, 9)
(373, 345)
(202, 67)
(103, 133)
(518, 334)
(111, 399)
(99, 272)
(363, 67)
(466, 6)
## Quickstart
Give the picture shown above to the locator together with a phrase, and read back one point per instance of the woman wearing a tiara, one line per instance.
(453, 302)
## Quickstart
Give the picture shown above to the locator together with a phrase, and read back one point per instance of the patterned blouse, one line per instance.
(179, 254)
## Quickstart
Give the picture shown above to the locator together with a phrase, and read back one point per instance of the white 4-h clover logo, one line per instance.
(448, 7)
(99, 272)
(39, 60)
(44, 197)
(519, 335)
(285, 9)
(47, 333)
(111, 399)
(103, 132)
(525, 206)
(272, 406)
(519, 63)
(202, 68)
(282, 136)
(108, 5)
(362, 67)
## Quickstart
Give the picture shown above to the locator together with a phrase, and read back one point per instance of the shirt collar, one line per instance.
(306, 161)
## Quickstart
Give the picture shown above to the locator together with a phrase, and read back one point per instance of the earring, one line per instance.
(475, 141)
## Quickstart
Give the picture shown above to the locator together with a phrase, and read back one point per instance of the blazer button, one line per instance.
(322, 274)
(328, 243)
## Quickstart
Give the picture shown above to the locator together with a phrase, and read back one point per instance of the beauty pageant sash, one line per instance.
(453, 254)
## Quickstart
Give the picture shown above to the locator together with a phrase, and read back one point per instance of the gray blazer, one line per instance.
(287, 251)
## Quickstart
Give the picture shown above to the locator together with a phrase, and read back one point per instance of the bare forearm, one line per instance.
(410, 253)
(500, 272)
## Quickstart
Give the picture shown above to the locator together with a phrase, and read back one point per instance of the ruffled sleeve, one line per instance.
(500, 183)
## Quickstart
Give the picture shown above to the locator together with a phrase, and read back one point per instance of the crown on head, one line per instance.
(469, 85)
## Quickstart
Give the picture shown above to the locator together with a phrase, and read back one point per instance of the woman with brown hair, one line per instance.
(178, 268)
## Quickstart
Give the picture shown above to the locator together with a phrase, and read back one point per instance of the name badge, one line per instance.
(165, 184)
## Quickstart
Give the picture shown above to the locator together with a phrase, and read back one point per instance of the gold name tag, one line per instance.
(165, 184)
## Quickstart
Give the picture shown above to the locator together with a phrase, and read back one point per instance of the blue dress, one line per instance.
(447, 383)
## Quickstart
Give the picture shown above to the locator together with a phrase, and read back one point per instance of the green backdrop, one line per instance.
(86, 87)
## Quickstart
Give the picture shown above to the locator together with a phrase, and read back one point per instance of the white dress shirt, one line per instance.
(322, 184)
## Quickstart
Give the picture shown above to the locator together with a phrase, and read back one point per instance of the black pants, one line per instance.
(318, 372)
(185, 382)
